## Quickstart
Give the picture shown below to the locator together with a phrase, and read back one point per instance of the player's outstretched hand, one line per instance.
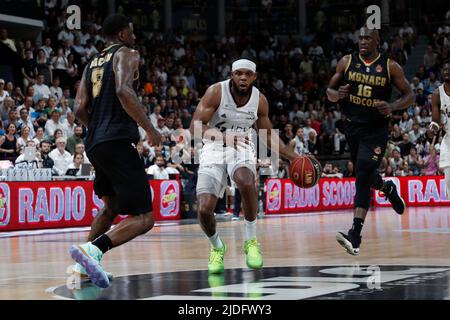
(154, 137)
(383, 107)
(343, 91)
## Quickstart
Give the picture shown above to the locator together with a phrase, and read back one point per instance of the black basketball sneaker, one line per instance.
(390, 190)
(350, 242)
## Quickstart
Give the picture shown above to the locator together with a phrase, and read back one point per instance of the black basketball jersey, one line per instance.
(369, 82)
(108, 121)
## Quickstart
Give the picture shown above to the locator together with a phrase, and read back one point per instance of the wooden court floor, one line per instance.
(32, 267)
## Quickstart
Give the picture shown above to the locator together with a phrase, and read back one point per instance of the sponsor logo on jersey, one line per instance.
(250, 116)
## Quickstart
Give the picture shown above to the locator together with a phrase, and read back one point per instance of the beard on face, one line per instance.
(239, 91)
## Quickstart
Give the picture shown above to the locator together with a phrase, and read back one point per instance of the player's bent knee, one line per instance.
(109, 213)
(246, 185)
(149, 222)
(205, 210)
(111, 206)
(244, 181)
(206, 204)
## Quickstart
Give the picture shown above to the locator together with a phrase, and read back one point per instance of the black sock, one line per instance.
(103, 243)
(357, 226)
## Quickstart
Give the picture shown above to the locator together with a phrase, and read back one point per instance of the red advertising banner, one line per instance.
(417, 191)
(282, 196)
(42, 205)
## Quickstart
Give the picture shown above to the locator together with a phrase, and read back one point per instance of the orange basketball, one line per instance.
(305, 171)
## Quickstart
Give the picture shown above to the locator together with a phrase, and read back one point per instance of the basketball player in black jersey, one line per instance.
(107, 104)
(362, 84)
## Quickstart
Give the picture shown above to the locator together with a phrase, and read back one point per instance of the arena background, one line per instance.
(185, 46)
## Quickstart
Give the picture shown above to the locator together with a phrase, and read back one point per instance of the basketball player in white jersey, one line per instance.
(298, 143)
(227, 114)
(440, 108)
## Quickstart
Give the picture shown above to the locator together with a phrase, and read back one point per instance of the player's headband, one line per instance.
(243, 64)
(366, 32)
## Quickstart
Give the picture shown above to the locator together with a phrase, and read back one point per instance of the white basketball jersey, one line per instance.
(445, 106)
(229, 117)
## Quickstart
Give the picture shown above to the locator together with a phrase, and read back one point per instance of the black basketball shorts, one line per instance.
(367, 143)
(121, 174)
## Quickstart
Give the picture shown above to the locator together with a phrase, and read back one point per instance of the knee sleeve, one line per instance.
(366, 172)
(366, 178)
(362, 196)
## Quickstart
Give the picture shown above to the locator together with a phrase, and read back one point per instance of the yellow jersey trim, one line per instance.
(389, 69)
(370, 63)
(349, 62)
(116, 44)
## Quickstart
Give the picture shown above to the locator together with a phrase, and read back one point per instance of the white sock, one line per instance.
(250, 229)
(216, 242)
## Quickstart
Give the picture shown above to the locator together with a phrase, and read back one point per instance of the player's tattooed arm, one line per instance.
(435, 111)
(126, 64)
(334, 91)
(399, 81)
(273, 140)
(81, 103)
